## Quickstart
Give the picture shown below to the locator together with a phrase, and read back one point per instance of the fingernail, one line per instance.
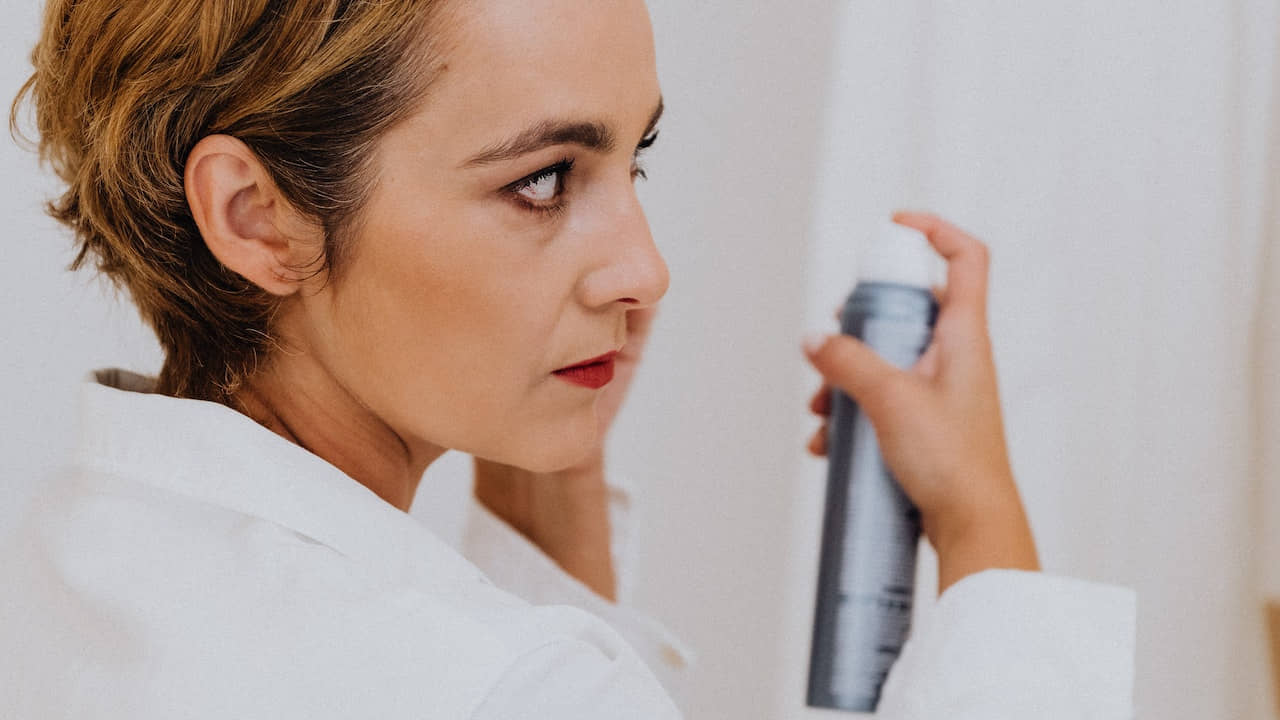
(813, 342)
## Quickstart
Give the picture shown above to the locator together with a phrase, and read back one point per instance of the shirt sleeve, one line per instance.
(1006, 644)
(518, 566)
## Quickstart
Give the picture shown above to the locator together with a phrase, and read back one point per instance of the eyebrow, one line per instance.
(592, 135)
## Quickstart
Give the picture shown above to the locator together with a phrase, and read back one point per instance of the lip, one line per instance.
(594, 373)
(598, 359)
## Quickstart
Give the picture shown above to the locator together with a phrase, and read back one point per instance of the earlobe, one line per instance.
(240, 214)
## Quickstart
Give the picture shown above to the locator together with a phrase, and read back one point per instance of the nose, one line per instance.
(630, 270)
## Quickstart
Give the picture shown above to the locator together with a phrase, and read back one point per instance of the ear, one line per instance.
(244, 219)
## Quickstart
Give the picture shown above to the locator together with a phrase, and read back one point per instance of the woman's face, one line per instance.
(504, 239)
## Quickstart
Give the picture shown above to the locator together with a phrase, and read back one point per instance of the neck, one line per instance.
(296, 398)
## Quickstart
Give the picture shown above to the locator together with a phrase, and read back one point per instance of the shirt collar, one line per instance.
(214, 454)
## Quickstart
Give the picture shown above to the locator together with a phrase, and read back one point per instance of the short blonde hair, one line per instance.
(122, 91)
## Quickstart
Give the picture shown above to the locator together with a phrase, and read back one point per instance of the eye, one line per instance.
(543, 189)
(637, 170)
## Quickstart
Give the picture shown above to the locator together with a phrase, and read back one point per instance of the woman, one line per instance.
(369, 232)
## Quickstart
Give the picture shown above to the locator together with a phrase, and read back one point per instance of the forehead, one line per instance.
(513, 63)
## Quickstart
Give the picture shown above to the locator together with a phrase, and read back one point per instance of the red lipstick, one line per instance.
(594, 373)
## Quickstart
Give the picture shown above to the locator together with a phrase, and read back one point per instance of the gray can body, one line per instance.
(870, 529)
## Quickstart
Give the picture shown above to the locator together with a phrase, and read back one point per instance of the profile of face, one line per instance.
(504, 239)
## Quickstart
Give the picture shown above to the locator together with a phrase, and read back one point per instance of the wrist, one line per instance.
(571, 524)
(996, 539)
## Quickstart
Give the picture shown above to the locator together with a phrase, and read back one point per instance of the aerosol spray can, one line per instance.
(870, 529)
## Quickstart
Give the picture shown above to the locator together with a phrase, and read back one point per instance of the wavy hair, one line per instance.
(124, 89)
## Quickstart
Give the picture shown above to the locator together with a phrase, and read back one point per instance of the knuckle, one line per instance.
(827, 357)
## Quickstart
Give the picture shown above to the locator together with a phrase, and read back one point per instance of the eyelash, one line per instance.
(563, 168)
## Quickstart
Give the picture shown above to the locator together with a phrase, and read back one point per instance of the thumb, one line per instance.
(849, 364)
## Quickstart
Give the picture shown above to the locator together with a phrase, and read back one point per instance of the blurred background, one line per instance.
(1121, 160)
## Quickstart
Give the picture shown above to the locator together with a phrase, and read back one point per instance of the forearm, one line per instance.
(565, 514)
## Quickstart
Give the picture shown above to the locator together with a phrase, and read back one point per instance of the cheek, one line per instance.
(420, 315)
(450, 342)
(448, 320)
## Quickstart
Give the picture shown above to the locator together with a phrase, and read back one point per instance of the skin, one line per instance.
(445, 323)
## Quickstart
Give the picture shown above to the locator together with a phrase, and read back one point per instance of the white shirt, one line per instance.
(193, 564)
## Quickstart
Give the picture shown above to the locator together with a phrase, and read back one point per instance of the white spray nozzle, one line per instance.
(902, 255)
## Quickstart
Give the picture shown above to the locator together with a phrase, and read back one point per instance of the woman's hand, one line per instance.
(565, 513)
(939, 423)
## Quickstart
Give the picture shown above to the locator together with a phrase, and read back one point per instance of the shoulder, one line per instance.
(156, 603)
(575, 679)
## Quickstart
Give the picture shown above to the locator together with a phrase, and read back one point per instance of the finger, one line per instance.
(968, 260)
(820, 403)
(927, 365)
(818, 443)
(849, 364)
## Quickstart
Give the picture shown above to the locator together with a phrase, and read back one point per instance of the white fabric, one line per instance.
(515, 564)
(1017, 645)
(194, 564)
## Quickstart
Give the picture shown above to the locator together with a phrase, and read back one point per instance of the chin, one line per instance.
(546, 446)
(560, 458)
(558, 451)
